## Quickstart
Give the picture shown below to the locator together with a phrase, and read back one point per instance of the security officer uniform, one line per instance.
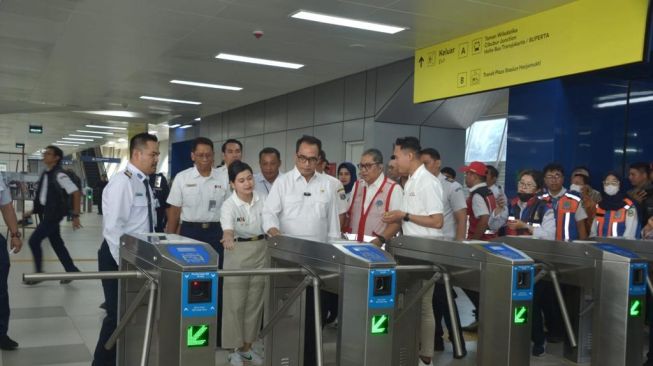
(161, 189)
(128, 208)
(200, 199)
(5, 199)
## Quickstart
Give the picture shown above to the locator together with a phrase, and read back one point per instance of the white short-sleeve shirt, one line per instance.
(5, 193)
(64, 182)
(245, 219)
(302, 209)
(199, 197)
(422, 196)
(453, 200)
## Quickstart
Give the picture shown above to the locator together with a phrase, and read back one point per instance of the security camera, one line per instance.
(258, 34)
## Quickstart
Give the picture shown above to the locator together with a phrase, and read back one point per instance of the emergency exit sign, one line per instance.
(379, 324)
(197, 336)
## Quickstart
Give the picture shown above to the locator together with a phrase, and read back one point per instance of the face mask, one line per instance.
(524, 197)
(576, 188)
(611, 190)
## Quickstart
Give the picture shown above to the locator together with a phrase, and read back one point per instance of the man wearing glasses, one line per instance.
(567, 207)
(303, 204)
(373, 196)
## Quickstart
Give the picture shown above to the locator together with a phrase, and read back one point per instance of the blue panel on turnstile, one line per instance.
(616, 250)
(523, 293)
(504, 251)
(368, 252)
(199, 309)
(387, 299)
(639, 288)
(191, 254)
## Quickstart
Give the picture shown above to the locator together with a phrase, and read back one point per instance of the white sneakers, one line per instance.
(422, 363)
(238, 358)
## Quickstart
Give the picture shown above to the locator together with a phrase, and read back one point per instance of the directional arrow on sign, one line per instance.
(195, 338)
(380, 324)
(521, 314)
(421, 62)
(635, 307)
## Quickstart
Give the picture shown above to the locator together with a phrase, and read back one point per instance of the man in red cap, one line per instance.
(480, 203)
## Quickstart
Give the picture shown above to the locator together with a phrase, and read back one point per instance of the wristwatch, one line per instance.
(15, 235)
(407, 217)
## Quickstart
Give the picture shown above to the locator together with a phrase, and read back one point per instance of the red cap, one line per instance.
(475, 167)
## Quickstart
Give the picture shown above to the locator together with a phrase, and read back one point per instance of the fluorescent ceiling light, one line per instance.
(175, 125)
(347, 22)
(171, 100)
(65, 145)
(76, 139)
(624, 102)
(110, 143)
(114, 113)
(107, 127)
(185, 126)
(71, 143)
(258, 61)
(152, 132)
(97, 132)
(122, 140)
(92, 137)
(206, 85)
(197, 119)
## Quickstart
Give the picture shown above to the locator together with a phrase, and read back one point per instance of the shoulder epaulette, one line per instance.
(128, 174)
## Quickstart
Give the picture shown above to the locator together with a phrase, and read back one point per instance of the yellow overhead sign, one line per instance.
(580, 36)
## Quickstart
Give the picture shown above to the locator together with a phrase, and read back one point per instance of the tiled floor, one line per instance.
(58, 325)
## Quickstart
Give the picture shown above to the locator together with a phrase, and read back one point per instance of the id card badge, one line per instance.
(157, 182)
(213, 204)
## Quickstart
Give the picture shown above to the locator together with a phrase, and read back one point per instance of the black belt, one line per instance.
(202, 225)
(253, 238)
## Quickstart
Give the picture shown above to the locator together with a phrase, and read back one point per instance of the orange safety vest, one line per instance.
(612, 222)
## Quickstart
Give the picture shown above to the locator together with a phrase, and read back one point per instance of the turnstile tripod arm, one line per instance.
(103, 275)
(563, 309)
(126, 318)
(457, 342)
(279, 314)
(418, 296)
(149, 322)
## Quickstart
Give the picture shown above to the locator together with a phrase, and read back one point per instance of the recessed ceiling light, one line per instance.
(97, 132)
(206, 85)
(107, 127)
(258, 61)
(65, 145)
(92, 137)
(175, 125)
(76, 139)
(110, 143)
(122, 140)
(347, 22)
(197, 119)
(152, 132)
(171, 100)
(114, 113)
(185, 126)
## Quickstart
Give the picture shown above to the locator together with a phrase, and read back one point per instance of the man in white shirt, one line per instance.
(51, 204)
(371, 197)
(269, 160)
(421, 214)
(303, 204)
(128, 204)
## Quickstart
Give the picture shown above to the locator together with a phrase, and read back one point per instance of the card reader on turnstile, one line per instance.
(362, 275)
(502, 275)
(185, 272)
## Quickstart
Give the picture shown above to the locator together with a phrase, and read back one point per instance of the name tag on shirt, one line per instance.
(213, 204)
(191, 185)
(139, 194)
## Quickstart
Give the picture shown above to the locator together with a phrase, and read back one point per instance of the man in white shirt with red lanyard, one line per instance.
(373, 196)
(421, 214)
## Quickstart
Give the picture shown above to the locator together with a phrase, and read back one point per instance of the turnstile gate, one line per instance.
(363, 276)
(184, 272)
(605, 279)
(503, 275)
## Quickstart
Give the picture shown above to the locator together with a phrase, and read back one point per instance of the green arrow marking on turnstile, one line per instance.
(197, 336)
(379, 324)
(521, 314)
(635, 308)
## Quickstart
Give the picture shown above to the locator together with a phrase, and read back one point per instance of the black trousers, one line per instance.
(475, 298)
(329, 303)
(211, 236)
(50, 229)
(101, 356)
(4, 294)
(545, 308)
(441, 310)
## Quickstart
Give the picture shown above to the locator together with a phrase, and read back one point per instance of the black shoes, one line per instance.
(538, 350)
(438, 344)
(7, 343)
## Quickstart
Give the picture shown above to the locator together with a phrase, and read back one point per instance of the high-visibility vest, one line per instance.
(612, 222)
(369, 221)
(532, 214)
(491, 203)
(564, 210)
